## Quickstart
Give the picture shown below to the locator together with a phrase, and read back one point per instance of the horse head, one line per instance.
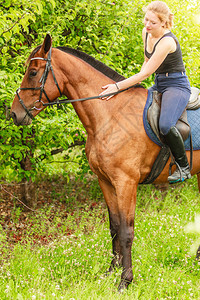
(38, 86)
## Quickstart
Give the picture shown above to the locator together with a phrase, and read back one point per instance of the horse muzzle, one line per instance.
(22, 119)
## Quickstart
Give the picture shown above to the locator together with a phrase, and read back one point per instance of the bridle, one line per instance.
(43, 79)
(56, 101)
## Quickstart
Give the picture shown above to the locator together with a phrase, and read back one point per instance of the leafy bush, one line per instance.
(109, 31)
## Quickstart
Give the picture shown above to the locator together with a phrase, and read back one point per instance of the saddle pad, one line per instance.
(193, 117)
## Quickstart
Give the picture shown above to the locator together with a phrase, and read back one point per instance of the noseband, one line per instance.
(41, 88)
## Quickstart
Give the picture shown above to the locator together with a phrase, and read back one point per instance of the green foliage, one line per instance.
(109, 31)
(186, 27)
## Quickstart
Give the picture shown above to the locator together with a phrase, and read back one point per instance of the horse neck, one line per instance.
(80, 80)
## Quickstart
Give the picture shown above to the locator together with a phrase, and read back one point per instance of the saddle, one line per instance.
(182, 125)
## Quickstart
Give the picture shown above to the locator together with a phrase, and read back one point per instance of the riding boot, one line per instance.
(175, 142)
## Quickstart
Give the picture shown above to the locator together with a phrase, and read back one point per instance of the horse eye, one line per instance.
(33, 73)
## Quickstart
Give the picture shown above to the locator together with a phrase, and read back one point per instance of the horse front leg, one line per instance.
(114, 218)
(116, 247)
(121, 202)
(126, 203)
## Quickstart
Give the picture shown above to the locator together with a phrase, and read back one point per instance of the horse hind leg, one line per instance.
(198, 251)
(198, 181)
(198, 254)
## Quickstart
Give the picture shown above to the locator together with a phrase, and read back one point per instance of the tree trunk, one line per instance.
(28, 193)
(28, 187)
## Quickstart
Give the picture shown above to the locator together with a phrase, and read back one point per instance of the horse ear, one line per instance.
(46, 44)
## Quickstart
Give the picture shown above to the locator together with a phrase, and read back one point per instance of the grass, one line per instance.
(64, 251)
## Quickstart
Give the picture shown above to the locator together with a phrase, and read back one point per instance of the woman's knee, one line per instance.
(164, 127)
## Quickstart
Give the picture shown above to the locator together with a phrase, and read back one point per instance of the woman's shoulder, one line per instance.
(171, 35)
(168, 42)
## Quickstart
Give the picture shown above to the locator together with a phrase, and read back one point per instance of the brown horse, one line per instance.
(118, 149)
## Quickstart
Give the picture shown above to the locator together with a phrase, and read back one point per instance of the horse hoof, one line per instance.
(108, 272)
(123, 286)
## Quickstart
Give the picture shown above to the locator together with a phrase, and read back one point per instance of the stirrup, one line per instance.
(181, 172)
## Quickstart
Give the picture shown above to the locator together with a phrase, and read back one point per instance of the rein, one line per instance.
(57, 101)
(87, 98)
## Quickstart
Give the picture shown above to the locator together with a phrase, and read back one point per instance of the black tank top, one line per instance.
(173, 62)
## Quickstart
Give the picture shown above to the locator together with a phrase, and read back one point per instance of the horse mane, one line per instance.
(98, 65)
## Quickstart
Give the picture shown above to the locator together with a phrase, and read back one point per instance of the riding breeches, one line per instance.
(175, 89)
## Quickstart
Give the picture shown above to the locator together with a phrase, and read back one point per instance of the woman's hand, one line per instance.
(109, 88)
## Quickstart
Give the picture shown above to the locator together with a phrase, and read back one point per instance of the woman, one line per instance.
(162, 55)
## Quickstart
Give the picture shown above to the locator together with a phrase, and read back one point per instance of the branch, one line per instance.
(14, 24)
(77, 143)
(1, 186)
(60, 150)
(64, 162)
(95, 48)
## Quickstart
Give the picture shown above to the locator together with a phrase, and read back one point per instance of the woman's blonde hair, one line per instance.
(162, 11)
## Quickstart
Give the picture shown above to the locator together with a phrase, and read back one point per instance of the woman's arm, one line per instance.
(164, 47)
(144, 43)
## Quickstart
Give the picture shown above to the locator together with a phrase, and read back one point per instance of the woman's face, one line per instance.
(152, 23)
